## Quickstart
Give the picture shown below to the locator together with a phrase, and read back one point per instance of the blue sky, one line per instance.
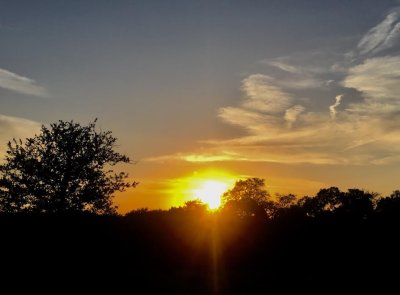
(302, 93)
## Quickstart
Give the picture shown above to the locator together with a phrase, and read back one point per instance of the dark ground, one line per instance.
(197, 253)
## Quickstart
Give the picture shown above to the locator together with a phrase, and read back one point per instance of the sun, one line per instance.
(206, 185)
(210, 192)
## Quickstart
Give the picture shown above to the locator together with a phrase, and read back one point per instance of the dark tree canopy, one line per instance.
(326, 200)
(390, 205)
(285, 201)
(195, 206)
(250, 188)
(354, 202)
(248, 197)
(65, 168)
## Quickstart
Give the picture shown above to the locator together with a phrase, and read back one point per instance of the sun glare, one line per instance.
(210, 192)
(208, 186)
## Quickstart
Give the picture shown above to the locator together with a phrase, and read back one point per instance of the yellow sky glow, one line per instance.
(208, 186)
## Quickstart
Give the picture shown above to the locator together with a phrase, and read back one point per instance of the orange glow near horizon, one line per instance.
(207, 186)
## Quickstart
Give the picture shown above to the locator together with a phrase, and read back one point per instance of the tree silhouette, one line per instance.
(62, 169)
(326, 200)
(285, 201)
(357, 203)
(389, 205)
(248, 197)
(195, 206)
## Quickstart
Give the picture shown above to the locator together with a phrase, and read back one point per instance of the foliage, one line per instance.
(285, 201)
(357, 202)
(248, 197)
(327, 199)
(62, 169)
(195, 206)
(389, 205)
(354, 202)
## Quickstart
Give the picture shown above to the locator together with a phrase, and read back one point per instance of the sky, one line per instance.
(304, 94)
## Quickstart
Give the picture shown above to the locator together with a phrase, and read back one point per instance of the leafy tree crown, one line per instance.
(67, 167)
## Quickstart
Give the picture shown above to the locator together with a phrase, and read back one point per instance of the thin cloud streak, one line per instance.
(333, 107)
(376, 36)
(383, 36)
(21, 84)
(284, 67)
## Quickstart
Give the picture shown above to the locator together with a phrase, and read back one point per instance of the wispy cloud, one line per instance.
(258, 111)
(375, 39)
(263, 95)
(20, 84)
(220, 156)
(251, 120)
(292, 114)
(301, 83)
(382, 36)
(14, 127)
(289, 115)
(301, 135)
(284, 66)
(391, 39)
(377, 78)
(333, 107)
(294, 76)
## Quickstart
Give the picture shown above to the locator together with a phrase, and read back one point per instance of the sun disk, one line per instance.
(210, 192)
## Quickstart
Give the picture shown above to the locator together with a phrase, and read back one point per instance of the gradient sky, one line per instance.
(305, 94)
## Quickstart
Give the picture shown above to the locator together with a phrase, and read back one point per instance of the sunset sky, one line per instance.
(305, 94)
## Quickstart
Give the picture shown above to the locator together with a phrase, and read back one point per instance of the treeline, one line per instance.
(249, 199)
(328, 242)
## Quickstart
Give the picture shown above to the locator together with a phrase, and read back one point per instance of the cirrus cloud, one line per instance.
(382, 36)
(289, 115)
(21, 84)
